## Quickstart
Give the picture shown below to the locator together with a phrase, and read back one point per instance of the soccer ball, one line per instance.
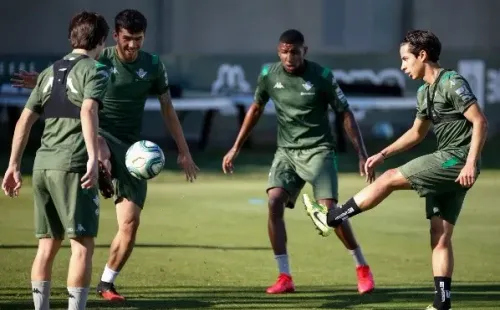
(144, 160)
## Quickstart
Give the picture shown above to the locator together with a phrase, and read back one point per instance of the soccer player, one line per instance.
(302, 91)
(68, 95)
(443, 177)
(135, 75)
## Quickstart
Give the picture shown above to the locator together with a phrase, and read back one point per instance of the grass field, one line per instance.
(205, 245)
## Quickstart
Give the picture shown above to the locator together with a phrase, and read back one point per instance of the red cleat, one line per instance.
(366, 284)
(108, 292)
(283, 285)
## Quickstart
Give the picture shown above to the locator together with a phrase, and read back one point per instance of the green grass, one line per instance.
(205, 246)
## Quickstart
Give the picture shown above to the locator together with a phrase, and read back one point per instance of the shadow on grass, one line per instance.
(195, 297)
(154, 245)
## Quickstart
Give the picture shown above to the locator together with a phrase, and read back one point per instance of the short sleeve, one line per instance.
(458, 92)
(421, 105)
(97, 83)
(160, 85)
(34, 102)
(335, 96)
(261, 96)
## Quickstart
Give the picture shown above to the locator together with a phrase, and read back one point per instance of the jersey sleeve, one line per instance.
(96, 83)
(261, 96)
(160, 85)
(457, 90)
(34, 102)
(334, 94)
(421, 109)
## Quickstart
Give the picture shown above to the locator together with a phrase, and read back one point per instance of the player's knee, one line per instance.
(440, 238)
(129, 227)
(392, 179)
(276, 204)
(82, 248)
(47, 249)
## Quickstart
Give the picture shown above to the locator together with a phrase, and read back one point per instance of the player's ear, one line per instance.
(422, 55)
(305, 49)
(115, 36)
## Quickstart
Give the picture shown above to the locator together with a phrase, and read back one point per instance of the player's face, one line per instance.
(291, 56)
(412, 65)
(128, 44)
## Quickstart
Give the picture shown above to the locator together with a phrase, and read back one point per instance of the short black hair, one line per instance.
(292, 36)
(131, 20)
(423, 40)
(87, 30)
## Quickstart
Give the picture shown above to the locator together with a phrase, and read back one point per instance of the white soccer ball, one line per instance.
(144, 160)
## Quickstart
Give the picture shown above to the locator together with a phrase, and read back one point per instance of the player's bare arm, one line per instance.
(251, 118)
(90, 125)
(174, 126)
(474, 115)
(24, 79)
(12, 181)
(352, 130)
(409, 139)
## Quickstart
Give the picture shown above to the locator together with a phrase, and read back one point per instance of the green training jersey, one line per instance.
(452, 96)
(301, 103)
(130, 86)
(62, 146)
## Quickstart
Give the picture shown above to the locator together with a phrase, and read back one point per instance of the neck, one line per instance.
(122, 57)
(431, 73)
(92, 54)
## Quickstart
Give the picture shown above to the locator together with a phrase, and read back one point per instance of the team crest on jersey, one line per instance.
(141, 73)
(307, 85)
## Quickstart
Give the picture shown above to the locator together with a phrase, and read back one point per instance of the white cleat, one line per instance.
(317, 213)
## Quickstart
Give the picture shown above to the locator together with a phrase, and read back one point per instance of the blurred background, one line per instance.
(214, 50)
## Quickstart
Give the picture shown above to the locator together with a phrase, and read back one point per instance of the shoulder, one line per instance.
(323, 72)
(149, 58)
(46, 74)
(452, 80)
(107, 55)
(270, 69)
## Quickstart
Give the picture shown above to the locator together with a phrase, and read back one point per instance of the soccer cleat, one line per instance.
(283, 285)
(105, 182)
(366, 284)
(107, 291)
(431, 307)
(317, 213)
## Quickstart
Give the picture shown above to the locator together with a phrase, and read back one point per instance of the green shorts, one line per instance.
(292, 168)
(63, 207)
(433, 177)
(126, 185)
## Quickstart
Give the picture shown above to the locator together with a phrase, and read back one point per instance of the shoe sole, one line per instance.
(310, 215)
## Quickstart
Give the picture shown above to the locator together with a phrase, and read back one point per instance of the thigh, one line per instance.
(433, 174)
(446, 206)
(47, 221)
(126, 185)
(319, 168)
(78, 208)
(283, 175)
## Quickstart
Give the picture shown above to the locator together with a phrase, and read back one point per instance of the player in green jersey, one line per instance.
(68, 94)
(135, 75)
(447, 102)
(302, 91)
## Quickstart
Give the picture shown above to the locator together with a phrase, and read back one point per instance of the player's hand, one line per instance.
(90, 178)
(370, 175)
(227, 161)
(190, 168)
(12, 182)
(467, 176)
(371, 163)
(24, 79)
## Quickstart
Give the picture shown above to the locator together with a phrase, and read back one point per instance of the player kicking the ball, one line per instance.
(135, 75)
(443, 177)
(302, 91)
